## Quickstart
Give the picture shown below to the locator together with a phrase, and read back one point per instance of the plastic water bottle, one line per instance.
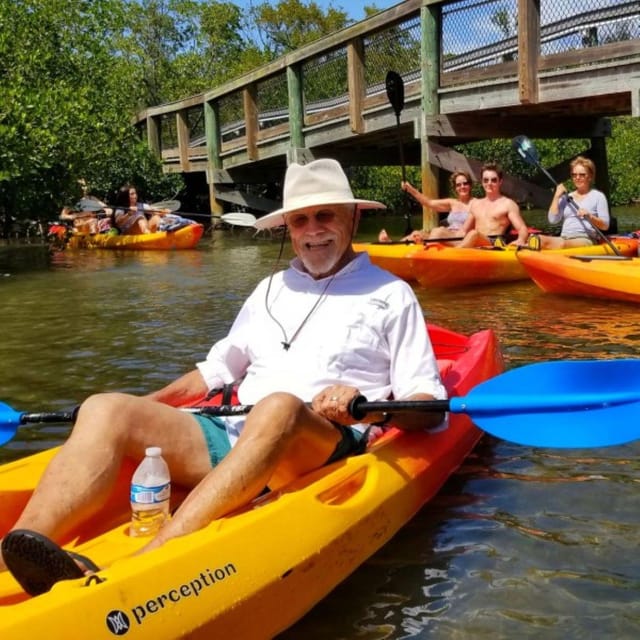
(150, 493)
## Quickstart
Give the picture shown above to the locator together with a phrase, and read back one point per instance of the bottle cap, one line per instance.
(154, 452)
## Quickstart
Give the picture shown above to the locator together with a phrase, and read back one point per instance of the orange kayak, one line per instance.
(436, 265)
(184, 238)
(588, 276)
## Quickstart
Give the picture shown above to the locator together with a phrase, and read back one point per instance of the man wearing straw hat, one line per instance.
(328, 328)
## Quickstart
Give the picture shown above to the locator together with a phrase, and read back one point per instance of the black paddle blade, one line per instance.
(395, 91)
(525, 149)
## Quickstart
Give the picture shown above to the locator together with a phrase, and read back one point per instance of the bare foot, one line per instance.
(383, 236)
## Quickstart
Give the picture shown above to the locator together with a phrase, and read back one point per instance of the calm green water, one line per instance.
(521, 542)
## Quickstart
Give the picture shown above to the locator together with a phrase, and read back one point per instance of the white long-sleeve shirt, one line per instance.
(366, 330)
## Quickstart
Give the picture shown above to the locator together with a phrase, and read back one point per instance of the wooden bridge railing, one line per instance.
(448, 53)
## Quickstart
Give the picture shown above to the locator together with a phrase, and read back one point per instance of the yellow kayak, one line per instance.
(437, 265)
(254, 573)
(394, 257)
(184, 238)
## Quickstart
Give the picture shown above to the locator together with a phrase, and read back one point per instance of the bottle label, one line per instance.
(141, 494)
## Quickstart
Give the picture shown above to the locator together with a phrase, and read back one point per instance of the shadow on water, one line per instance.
(520, 542)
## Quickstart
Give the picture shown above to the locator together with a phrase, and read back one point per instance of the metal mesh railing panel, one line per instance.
(325, 81)
(195, 121)
(481, 33)
(273, 101)
(231, 114)
(396, 48)
(478, 33)
(168, 131)
(580, 24)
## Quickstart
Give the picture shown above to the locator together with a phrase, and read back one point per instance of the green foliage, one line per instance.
(65, 105)
(290, 24)
(623, 152)
(383, 184)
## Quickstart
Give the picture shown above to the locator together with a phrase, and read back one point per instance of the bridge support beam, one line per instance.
(214, 160)
(153, 135)
(528, 50)
(430, 68)
(355, 70)
(296, 111)
(182, 128)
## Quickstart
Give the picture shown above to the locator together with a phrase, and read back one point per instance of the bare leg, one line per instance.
(140, 226)
(474, 239)
(443, 233)
(282, 439)
(470, 239)
(154, 223)
(110, 427)
(577, 242)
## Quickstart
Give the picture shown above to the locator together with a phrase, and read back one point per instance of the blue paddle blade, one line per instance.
(10, 420)
(567, 403)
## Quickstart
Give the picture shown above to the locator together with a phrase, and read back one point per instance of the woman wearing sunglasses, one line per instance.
(457, 207)
(582, 212)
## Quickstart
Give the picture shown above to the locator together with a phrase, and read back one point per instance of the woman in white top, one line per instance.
(458, 209)
(582, 212)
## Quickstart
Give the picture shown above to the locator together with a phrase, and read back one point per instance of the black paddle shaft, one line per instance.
(50, 417)
(358, 407)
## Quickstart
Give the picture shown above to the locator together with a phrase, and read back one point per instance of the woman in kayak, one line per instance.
(129, 215)
(583, 212)
(457, 208)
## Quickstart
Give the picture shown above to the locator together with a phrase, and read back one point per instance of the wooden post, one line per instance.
(153, 135)
(182, 128)
(528, 50)
(250, 101)
(214, 146)
(355, 72)
(430, 68)
(296, 112)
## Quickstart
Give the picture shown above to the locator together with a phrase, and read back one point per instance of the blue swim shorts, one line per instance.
(218, 444)
(216, 437)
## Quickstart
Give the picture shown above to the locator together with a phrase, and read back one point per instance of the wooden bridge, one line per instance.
(472, 70)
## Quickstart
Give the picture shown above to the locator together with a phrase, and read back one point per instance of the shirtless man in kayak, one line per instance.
(329, 328)
(492, 216)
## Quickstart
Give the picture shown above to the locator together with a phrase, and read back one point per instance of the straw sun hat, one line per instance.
(318, 183)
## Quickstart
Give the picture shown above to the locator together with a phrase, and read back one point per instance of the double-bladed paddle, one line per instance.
(564, 403)
(528, 152)
(89, 204)
(238, 219)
